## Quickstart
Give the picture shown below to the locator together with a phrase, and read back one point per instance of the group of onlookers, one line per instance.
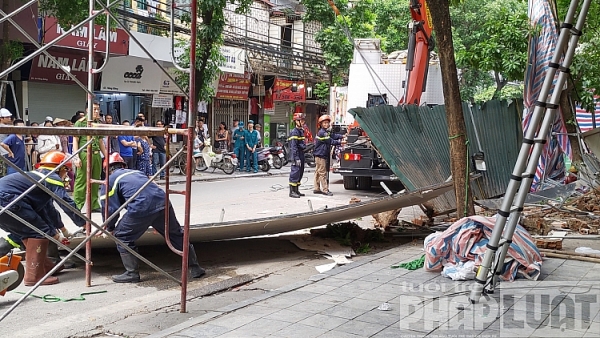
(140, 152)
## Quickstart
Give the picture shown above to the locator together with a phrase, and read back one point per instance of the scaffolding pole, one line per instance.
(94, 130)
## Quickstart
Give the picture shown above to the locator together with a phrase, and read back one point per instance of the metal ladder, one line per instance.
(529, 155)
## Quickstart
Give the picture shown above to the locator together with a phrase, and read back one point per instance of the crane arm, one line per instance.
(420, 45)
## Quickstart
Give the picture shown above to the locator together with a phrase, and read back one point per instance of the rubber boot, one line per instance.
(298, 191)
(36, 251)
(293, 192)
(195, 270)
(53, 258)
(5, 247)
(131, 275)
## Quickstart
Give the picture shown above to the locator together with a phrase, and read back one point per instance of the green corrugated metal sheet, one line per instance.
(414, 142)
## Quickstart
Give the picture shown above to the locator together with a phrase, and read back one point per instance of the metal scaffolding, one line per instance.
(92, 228)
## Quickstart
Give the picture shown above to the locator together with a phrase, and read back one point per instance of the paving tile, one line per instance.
(396, 332)
(379, 317)
(311, 307)
(298, 330)
(344, 291)
(362, 329)
(262, 327)
(334, 281)
(323, 321)
(233, 320)
(352, 274)
(594, 329)
(331, 298)
(288, 315)
(378, 277)
(453, 333)
(362, 304)
(344, 312)
(204, 330)
(381, 297)
(565, 323)
(554, 332)
(288, 299)
(256, 310)
(318, 288)
(338, 334)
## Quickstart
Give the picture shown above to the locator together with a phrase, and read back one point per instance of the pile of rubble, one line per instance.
(579, 214)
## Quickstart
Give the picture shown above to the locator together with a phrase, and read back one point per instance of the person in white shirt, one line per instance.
(48, 143)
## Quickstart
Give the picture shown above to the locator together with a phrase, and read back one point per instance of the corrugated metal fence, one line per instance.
(414, 142)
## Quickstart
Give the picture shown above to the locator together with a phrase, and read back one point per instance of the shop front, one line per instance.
(49, 91)
(231, 100)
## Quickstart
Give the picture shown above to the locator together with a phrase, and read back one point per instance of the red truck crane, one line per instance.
(360, 163)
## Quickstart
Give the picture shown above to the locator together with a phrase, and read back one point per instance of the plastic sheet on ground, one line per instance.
(466, 241)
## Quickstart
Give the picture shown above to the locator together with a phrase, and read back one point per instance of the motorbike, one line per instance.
(223, 160)
(12, 272)
(265, 159)
(278, 157)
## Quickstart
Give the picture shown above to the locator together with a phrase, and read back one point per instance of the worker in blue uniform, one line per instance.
(251, 138)
(297, 146)
(239, 146)
(37, 208)
(147, 209)
(323, 142)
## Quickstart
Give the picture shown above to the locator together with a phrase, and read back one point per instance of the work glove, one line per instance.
(61, 238)
(66, 232)
(298, 163)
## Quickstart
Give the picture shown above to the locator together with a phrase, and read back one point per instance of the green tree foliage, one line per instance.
(490, 37)
(357, 17)
(209, 39)
(585, 70)
(391, 24)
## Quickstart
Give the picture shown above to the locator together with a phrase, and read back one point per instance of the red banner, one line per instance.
(233, 86)
(283, 90)
(119, 40)
(43, 69)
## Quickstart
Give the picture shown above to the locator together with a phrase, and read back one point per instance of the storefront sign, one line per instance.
(162, 101)
(168, 86)
(119, 40)
(283, 90)
(233, 86)
(234, 60)
(158, 46)
(131, 75)
(43, 69)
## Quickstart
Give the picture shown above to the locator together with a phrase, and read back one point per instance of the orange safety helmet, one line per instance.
(324, 118)
(299, 116)
(55, 158)
(115, 158)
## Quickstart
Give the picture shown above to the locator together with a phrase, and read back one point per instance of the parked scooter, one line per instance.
(278, 157)
(225, 161)
(265, 159)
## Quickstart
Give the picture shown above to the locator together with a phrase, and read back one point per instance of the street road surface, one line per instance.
(152, 305)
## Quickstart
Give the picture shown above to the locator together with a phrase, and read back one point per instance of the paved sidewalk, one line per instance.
(350, 301)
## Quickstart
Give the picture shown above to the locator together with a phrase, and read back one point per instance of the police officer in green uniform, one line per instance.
(81, 162)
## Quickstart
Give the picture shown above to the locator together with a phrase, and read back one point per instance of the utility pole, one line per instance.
(457, 131)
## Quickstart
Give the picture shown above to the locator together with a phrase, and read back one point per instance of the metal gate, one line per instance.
(227, 110)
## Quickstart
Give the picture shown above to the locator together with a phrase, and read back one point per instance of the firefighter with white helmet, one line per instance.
(323, 142)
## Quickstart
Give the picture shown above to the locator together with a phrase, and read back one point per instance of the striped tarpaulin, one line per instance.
(584, 118)
(466, 240)
(541, 50)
